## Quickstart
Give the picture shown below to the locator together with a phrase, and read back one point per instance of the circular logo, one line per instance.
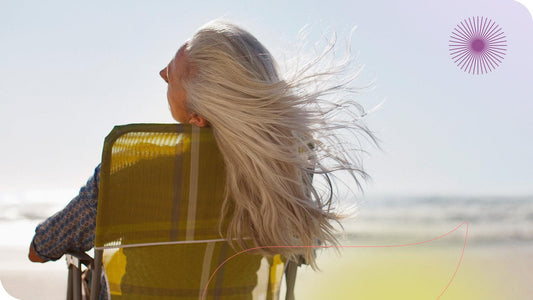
(477, 45)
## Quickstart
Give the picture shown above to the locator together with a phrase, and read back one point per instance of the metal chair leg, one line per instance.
(74, 262)
(69, 283)
(290, 279)
(74, 278)
(97, 269)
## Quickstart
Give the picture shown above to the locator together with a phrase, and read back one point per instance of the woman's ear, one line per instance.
(198, 120)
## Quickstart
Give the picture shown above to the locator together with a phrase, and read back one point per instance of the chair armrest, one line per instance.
(74, 261)
(77, 257)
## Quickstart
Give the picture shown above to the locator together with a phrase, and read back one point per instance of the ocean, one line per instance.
(492, 221)
(20, 213)
(377, 221)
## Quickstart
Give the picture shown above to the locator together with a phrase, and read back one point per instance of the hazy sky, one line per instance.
(70, 71)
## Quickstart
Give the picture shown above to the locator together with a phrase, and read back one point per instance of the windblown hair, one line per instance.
(274, 133)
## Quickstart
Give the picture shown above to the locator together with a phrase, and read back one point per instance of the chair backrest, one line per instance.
(159, 207)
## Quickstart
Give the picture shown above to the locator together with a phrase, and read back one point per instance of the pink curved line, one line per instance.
(354, 246)
(460, 260)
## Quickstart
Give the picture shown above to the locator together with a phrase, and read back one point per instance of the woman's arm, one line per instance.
(71, 229)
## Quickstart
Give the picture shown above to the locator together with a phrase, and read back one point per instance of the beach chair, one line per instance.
(157, 230)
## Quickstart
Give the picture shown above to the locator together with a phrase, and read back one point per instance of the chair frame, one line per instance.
(75, 260)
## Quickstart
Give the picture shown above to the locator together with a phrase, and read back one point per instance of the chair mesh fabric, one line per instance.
(159, 206)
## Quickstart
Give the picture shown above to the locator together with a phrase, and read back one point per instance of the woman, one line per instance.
(226, 78)
(273, 132)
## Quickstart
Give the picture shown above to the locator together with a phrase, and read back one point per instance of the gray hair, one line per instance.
(273, 133)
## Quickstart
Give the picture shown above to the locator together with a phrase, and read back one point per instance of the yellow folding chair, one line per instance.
(157, 229)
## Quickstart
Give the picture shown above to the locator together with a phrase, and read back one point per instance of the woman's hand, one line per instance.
(33, 255)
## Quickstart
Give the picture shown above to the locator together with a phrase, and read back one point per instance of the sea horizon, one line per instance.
(379, 219)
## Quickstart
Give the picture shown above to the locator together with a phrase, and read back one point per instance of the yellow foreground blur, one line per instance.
(419, 272)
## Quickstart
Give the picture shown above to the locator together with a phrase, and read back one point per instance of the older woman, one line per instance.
(272, 132)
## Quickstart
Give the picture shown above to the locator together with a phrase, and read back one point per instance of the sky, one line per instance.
(71, 71)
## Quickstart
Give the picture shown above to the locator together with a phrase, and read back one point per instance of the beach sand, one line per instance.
(418, 272)
(23, 279)
(415, 272)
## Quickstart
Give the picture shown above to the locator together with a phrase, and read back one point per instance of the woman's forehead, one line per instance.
(180, 54)
(178, 64)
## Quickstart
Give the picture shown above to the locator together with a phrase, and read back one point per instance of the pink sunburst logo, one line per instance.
(477, 45)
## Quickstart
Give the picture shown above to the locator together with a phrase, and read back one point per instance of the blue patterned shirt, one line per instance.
(71, 229)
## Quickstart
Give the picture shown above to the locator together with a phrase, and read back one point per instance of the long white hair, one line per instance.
(274, 133)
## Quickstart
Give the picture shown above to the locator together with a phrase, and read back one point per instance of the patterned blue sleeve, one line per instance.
(71, 229)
